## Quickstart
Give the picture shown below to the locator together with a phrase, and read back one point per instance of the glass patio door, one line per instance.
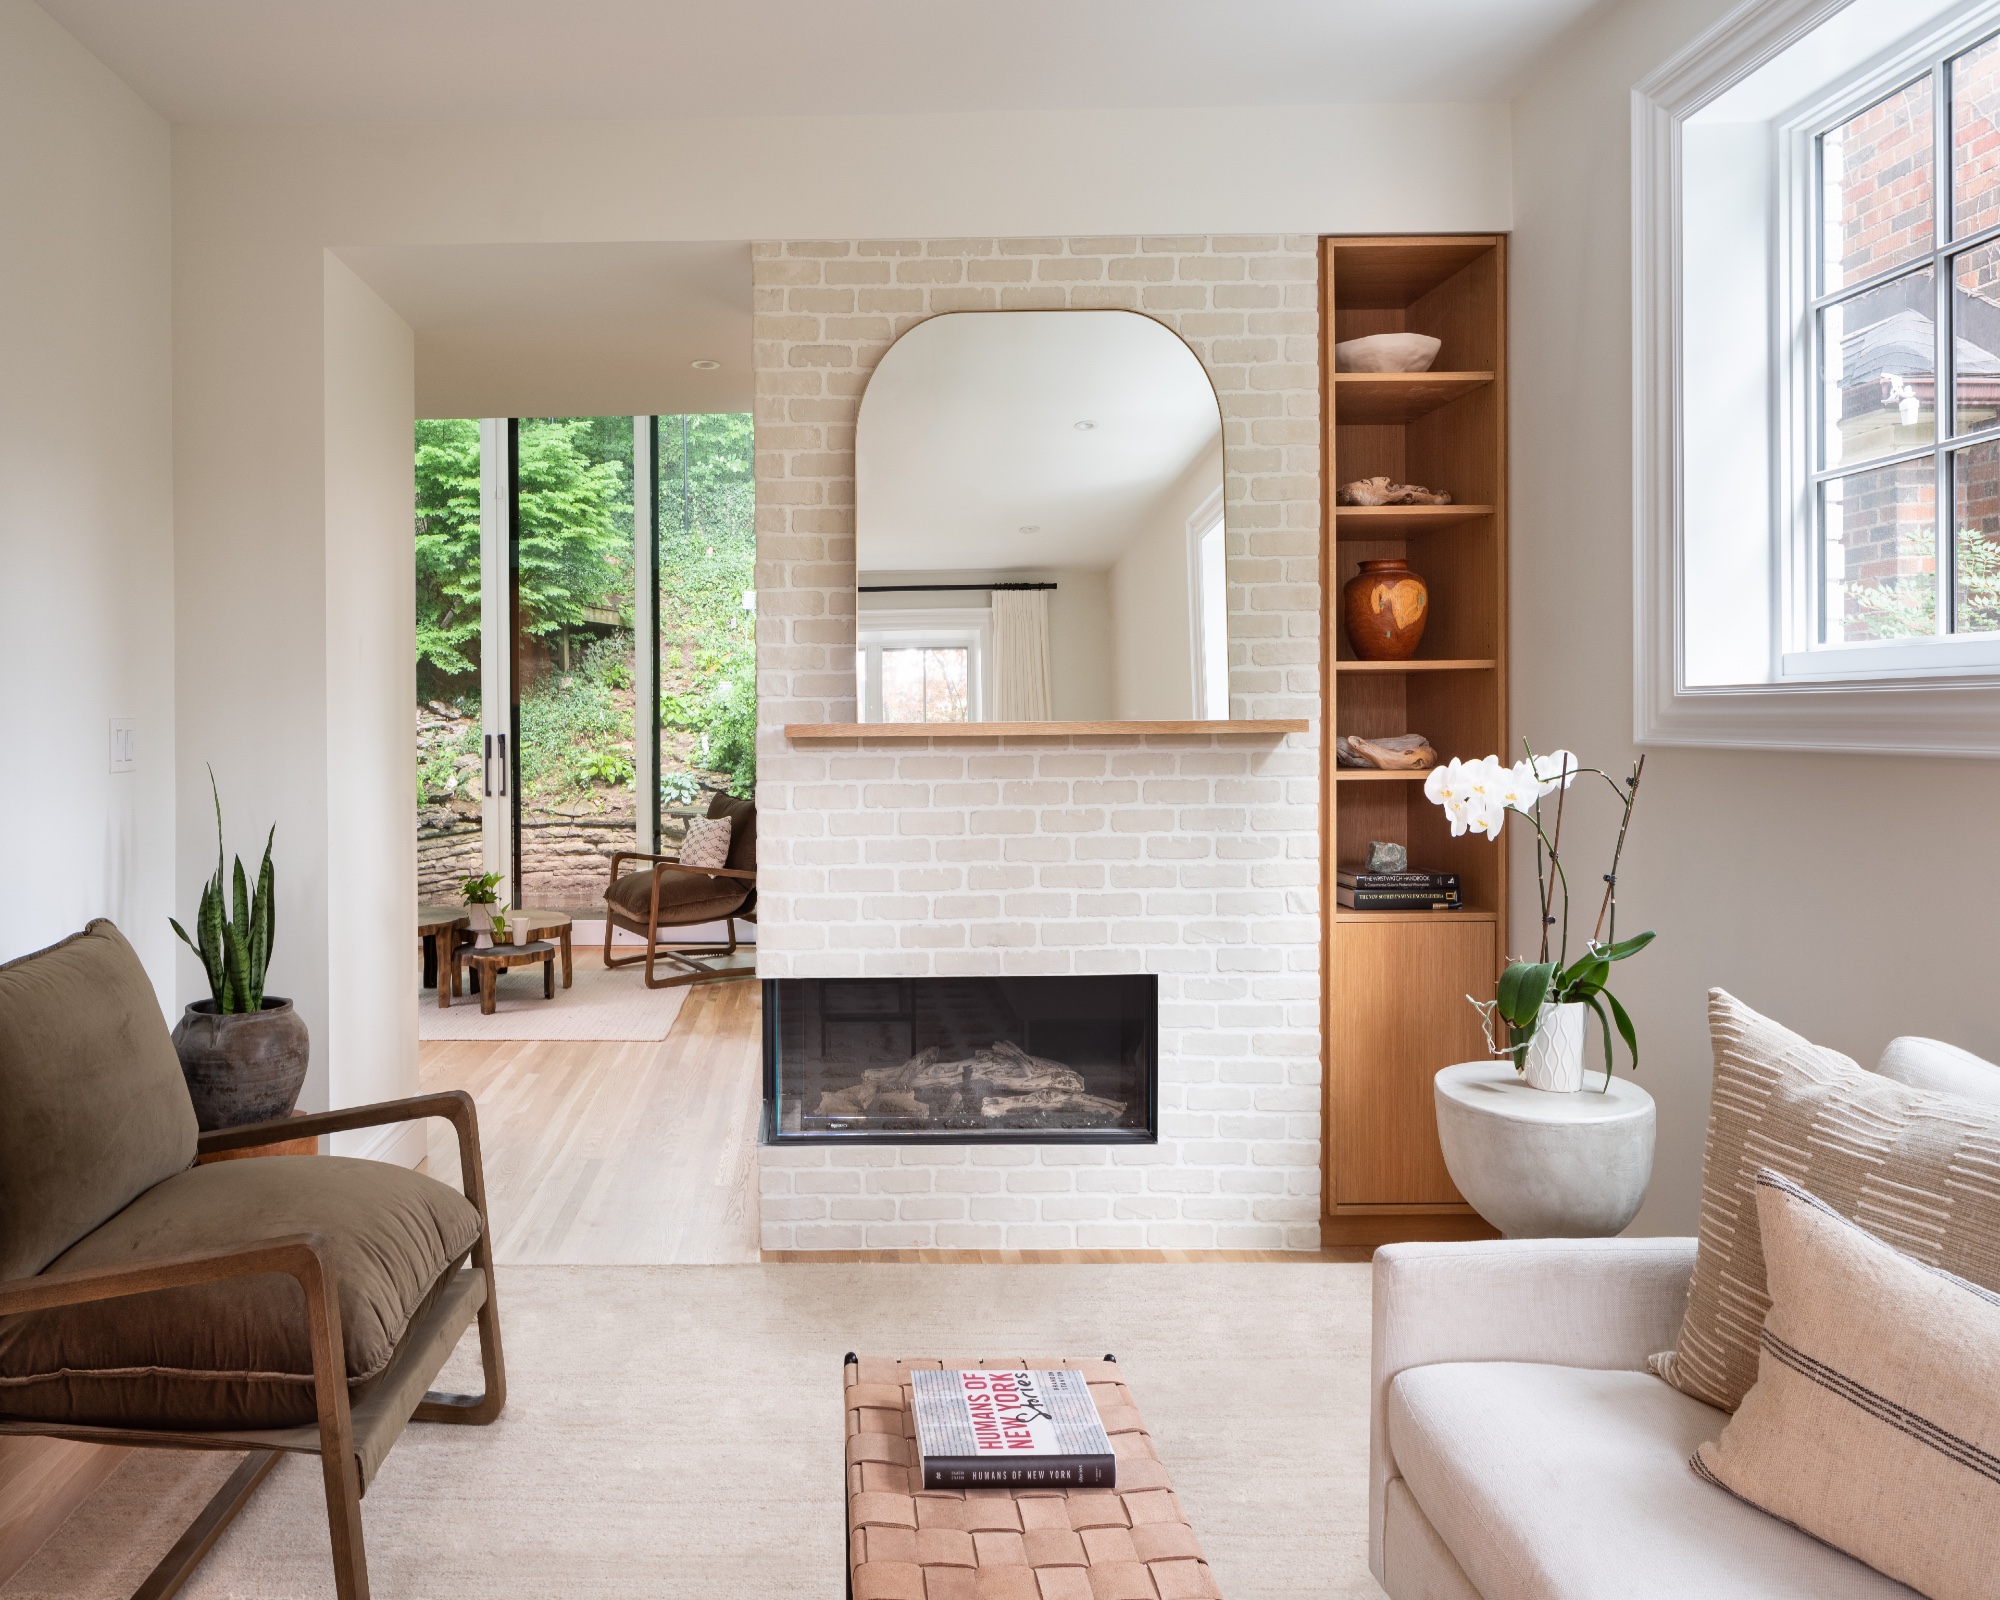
(546, 740)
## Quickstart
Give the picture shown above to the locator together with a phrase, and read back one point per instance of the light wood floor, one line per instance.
(617, 1153)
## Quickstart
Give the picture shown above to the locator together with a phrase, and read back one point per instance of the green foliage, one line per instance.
(235, 939)
(679, 789)
(571, 554)
(481, 889)
(448, 547)
(1526, 986)
(708, 544)
(439, 772)
(576, 730)
(1906, 607)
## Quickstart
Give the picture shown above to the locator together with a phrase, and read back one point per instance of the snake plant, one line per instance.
(235, 939)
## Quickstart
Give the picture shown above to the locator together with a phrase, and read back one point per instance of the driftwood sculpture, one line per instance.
(1386, 492)
(1402, 752)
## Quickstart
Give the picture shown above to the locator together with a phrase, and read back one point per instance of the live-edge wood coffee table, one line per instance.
(905, 1542)
(488, 964)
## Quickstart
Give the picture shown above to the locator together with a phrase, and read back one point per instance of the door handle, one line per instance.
(503, 765)
(486, 767)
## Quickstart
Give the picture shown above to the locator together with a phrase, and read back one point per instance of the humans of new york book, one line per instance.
(1013, 1429)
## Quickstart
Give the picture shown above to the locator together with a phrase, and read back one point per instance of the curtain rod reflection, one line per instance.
(944, 588)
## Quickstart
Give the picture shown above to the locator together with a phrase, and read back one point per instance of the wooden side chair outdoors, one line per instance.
(289, 1303)
(669, 895)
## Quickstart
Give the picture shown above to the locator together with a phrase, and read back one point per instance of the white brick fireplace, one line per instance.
(1195, 858)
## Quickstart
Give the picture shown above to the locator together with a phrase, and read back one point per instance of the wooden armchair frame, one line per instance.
(694, 957)
(347, 1441)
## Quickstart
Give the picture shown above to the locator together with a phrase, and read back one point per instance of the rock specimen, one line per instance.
(1385, 857)
(1386, 492)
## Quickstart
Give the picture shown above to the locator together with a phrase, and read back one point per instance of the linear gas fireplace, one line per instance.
(962, 1060)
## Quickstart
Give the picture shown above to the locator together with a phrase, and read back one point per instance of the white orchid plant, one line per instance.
(1476, 797)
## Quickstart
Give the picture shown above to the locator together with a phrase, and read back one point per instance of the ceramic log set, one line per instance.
(1384, 607)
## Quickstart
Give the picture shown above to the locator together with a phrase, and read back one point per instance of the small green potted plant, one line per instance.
(502, 933)
(244, 1052)
(1542, 1003)
(482, 893)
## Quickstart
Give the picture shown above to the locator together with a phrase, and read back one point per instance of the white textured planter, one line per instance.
(1545, 1166)
(1555, 1054)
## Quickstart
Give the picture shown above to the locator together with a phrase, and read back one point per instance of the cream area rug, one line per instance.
(676, 1432)
(601, 1003)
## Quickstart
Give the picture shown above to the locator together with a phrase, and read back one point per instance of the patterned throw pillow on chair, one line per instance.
(707, 843)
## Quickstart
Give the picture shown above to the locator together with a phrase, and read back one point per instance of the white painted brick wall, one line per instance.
(1194, 858)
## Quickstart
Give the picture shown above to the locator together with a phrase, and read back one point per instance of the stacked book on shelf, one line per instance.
(1396, 891)
(988, 1429)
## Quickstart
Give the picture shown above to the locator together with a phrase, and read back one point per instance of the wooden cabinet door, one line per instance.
(1398, 1014)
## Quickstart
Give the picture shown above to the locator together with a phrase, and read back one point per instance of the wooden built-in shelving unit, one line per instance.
(1396, 981)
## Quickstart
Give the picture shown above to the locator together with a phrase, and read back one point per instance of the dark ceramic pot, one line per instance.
(1385, 606)
(242, 1066)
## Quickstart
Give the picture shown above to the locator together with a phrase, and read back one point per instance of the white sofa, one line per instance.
(1521, 1450)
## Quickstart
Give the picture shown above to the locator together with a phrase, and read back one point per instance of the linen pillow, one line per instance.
(1941, 1068)
(1874, 1423)
(1921, 1171)
(707, 842)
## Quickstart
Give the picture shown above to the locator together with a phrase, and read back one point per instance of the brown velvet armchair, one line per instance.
(669, 895)
(295, 1303)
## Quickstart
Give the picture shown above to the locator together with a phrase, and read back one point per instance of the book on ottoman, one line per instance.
(992, 1429)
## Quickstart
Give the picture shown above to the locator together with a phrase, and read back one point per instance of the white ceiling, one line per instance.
(967, 433)
(570, 330)
(264, 63)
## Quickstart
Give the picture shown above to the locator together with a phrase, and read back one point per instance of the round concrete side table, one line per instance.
(1545, 1166)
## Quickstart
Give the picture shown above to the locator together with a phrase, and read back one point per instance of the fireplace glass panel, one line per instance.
(961, 1060)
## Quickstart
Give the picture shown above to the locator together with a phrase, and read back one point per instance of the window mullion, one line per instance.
(1944, 405)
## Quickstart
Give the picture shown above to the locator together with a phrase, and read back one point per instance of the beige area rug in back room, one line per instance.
(676, 1433)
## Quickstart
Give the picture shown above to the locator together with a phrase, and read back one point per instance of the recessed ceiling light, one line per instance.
(1032, 527)
(1085, 427)
(705, 365)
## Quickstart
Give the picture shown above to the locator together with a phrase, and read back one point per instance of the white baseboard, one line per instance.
(402, 1143)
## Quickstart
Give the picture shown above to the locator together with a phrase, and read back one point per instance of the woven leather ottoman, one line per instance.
(909, 1543)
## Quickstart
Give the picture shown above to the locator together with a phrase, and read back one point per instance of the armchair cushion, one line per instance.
(742, 815)
(235, 1354)
(93, 1108)
(684, 896)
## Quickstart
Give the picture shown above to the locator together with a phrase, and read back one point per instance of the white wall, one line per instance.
(1847, 896)
(86, 509)
(371, 847)
(1153, 623)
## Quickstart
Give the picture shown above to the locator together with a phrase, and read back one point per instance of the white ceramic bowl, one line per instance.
(1386, 352)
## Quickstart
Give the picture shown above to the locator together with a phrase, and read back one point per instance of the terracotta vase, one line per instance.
(1385, 606)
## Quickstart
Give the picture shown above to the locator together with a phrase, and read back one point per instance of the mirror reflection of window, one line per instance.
(912, 666)
(924, 685)
(1211, 613)
(1056, 475)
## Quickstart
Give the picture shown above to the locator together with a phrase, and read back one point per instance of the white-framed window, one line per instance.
(1894, 407)
(1208, 610)
(1816, 200)
(924, 666)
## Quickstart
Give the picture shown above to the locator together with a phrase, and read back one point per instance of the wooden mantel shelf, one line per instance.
(875, 732)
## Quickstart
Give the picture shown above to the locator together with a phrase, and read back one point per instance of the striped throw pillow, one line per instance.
(1874, 1423)
(707, 843)
(1920, 1171)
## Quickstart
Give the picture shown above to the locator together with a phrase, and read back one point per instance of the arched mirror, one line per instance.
(1038, 524)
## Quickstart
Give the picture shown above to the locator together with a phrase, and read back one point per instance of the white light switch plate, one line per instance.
(124, 756)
